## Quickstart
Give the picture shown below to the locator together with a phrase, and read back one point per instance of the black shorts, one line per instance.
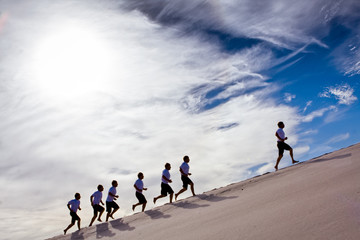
(186, 181)
(282, 146)
(165, 189)
(74, 217)
(140, 197)
(111, 205)
(97, 208)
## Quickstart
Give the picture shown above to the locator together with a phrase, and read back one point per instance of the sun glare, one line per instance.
(70, 62)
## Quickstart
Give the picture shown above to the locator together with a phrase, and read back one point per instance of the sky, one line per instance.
(92, 91)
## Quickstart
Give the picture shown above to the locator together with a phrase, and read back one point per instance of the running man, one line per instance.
(280, 134)
(96, 199)
(184, 170)
(139, 187)
(165, 187)
(110, 201)
(73, 206)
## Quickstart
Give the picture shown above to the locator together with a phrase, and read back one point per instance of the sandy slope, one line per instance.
(317, 199)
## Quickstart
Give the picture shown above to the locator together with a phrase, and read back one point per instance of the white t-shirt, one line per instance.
(281, 134)
(185, 168)
(165, 173)
(113, 191)
(97, 197)
(74, 205)
(139, 184)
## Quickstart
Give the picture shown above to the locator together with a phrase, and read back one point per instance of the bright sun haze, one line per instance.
(71, 61)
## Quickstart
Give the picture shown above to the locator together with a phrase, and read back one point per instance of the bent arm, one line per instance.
(115, 196)
(182, 172)
(169, 180)
(138, 189)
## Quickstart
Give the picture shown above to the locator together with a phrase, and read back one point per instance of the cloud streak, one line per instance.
(318, 113)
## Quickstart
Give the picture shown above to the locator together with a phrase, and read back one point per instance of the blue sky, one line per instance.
(96, 91)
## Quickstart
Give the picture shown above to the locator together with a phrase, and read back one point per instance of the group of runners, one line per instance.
(112, 206)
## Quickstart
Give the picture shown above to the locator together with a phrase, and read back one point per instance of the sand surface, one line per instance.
(316, 199)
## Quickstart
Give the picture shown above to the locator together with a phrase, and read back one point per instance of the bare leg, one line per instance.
(277, 162)
(192, 189)
(79, 223)
(92, 220)
(143, 207)
(180, 192)
(156, 198)
(111, 215)
(292, 156)
(135, 205)
(171, 197)
(71, 224)
(99, 219)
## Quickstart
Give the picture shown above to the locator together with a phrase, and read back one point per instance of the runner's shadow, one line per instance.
(214, 198)
(120, 225)
(332, 158)
(189, 205)
(156, 214)
(102, 230)
(77, 235)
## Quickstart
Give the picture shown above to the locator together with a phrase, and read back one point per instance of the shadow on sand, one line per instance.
(214, 198)
(189, 205)
(120, 225)
(332, 158)
(156, 214)
(102, 230)
(78, 235)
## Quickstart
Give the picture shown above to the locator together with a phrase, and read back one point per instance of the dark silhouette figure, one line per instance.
(111, 205)
(96, 199)
(73, 206)
(139, 186)
(165, 187)
(280, 134)
(184, 170)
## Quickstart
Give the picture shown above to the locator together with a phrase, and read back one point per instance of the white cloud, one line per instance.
(318, 113)
(301, 150)
(338, 138)
(343, 93)
(276, 21)
(308, 104)
(288, 97)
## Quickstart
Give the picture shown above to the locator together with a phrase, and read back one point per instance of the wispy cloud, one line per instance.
(343, 93)
(338, 138)
(317, 113)
(308, 104)
(288, 97)
(288, 29)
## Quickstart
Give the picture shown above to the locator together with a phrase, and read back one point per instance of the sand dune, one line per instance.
(316, 199)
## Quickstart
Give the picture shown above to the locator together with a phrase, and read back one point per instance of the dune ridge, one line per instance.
(315, 199)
